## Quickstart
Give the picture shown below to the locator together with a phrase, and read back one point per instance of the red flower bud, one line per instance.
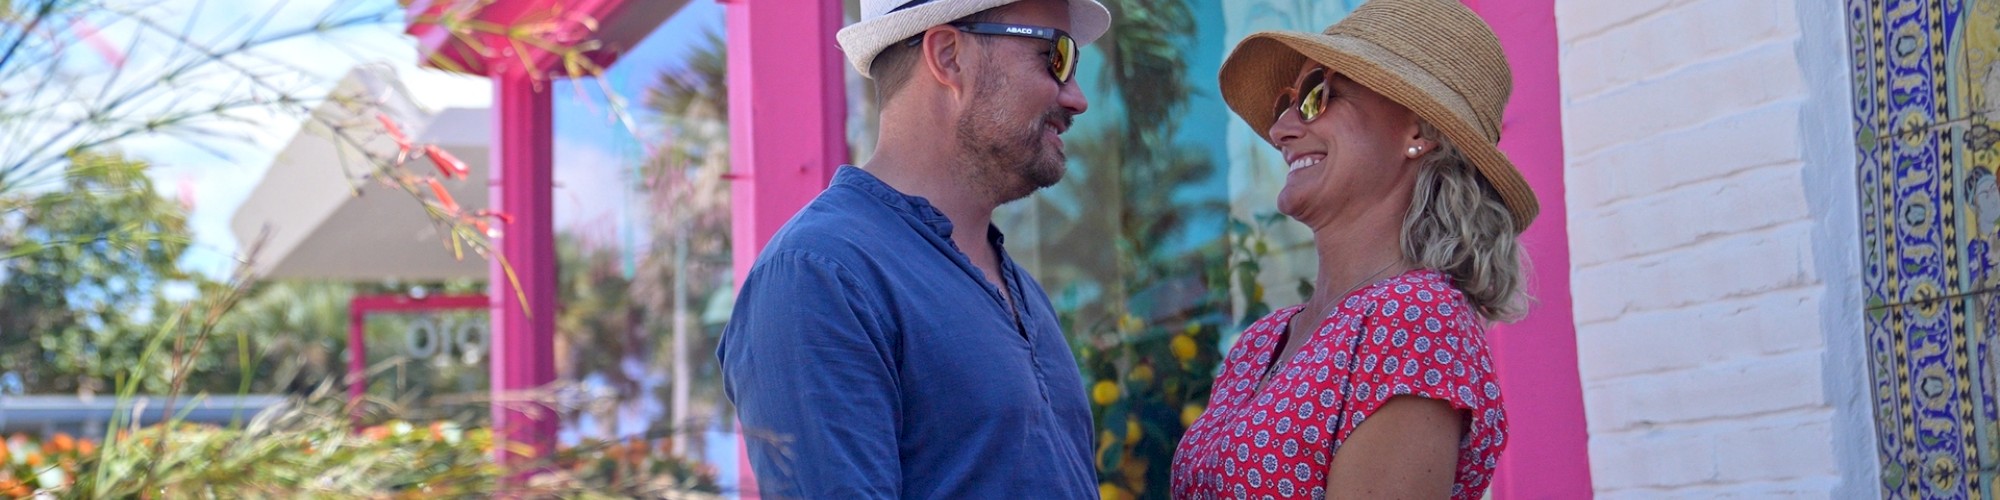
(444, 197)
(446, 163)
(395, 133)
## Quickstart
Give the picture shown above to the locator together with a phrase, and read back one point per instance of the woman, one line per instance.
(1388, 123)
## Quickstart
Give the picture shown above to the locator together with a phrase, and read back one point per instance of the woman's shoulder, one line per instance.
(1419, 336)
(1414, 298)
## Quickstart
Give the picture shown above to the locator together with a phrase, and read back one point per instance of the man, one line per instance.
(884, 345)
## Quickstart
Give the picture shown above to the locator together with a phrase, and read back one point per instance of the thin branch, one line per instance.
(47, 8)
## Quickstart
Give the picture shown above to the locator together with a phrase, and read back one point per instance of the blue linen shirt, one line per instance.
(869, 358)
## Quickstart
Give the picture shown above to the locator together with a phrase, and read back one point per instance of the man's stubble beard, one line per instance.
(1007, 161)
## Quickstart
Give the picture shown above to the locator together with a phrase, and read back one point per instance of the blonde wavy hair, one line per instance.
(1458, 225)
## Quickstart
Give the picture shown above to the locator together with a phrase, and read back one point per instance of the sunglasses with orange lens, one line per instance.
(1307, 95)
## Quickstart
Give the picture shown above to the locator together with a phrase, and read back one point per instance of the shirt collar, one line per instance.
(915, 206)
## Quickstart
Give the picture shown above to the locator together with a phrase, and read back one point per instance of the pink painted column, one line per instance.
(787, 124)
(1548, 454)
(787, 115)
(357, 356)
(523, 335)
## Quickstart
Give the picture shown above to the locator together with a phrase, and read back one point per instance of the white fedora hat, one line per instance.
(885, 22)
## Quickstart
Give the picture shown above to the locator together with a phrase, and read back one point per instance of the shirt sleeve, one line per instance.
(813, 379)
(1424, 343)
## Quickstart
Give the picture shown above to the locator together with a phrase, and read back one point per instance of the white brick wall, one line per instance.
(1714, 249)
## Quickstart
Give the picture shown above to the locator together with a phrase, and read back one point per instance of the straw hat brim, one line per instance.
(862, 41)
(1266, 62)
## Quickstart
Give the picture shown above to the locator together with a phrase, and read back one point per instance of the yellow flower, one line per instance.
(1131, 431)
(1104, 393)
(1135, 472)
(1129, 323)
(1183, 347)
(1110, 491)
(1143, 374)
(1189, 413)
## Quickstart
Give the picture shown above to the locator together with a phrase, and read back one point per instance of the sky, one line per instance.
(593, 155)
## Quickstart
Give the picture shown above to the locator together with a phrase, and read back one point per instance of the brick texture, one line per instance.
(1696, 274)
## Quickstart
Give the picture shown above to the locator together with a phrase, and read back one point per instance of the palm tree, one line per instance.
(685, 184)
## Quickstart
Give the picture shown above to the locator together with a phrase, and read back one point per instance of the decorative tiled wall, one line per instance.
(1926, 101)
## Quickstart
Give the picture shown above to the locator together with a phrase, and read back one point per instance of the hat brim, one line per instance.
(1267, 62)
(864, 40)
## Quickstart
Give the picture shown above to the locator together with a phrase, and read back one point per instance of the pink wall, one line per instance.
(787, 125)
(1547, 455)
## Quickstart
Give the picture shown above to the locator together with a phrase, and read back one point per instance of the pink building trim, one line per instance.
(360, 307)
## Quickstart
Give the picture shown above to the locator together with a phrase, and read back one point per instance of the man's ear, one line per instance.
(942, 48)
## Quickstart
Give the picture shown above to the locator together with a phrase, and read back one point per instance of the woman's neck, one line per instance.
(1352, 258)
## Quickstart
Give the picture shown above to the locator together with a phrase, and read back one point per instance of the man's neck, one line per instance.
(939, 178)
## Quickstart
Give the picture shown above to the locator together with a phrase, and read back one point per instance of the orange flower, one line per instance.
(85, 447)
(6, 455)
(614, 451)
(59, 444)
(445, 201)
(35, 460)
(13, 488)
(638, 450)
(445, 162)
(437, 430)
(376, 433)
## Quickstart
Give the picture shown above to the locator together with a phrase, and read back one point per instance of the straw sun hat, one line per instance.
(885, 22)
(1434, 57)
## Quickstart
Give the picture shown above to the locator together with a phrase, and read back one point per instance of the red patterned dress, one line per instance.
(1412, 334)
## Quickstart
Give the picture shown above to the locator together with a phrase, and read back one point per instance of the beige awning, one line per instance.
(321, 229)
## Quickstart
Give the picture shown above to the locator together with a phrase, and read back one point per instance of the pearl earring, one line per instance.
(1416, 150)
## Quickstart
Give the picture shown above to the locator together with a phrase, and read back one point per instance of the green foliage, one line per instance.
(311, 448)
(1154, 277)
(1145, 293)
(295, 337)
(87, 270)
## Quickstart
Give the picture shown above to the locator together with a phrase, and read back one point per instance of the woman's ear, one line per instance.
(942, 48)
(1415, 144)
